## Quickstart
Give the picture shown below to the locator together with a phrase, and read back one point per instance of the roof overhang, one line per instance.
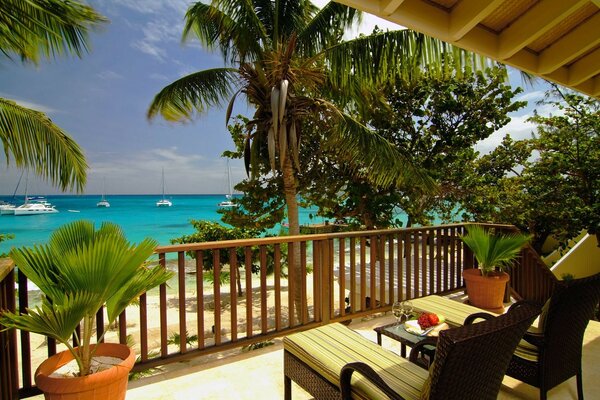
(558, 40)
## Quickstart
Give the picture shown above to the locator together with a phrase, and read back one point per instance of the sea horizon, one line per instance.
(136, 214)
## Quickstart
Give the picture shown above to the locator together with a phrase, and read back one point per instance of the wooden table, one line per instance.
(454, 312)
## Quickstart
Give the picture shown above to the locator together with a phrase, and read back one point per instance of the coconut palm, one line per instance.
(80, 270)
(283, 56)
(31, 30)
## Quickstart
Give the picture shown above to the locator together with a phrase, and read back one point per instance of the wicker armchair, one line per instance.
(470, 361)
(552, 355)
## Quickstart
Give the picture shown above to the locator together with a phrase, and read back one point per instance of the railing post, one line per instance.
(9, 382)
(326, 284)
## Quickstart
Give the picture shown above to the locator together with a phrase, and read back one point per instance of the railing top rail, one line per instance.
(222, 244)
(6, 265)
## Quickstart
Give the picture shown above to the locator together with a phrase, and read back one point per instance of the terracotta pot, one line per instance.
(107, 384)
(486, 292)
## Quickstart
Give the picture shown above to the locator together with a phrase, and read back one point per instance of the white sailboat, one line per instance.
(228, 202)
(34, 205)
(164, 202)
(7, 208)
(103, 203)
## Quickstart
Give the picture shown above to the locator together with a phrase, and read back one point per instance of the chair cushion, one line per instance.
(539, 324)
(328, 348)
(527, 351)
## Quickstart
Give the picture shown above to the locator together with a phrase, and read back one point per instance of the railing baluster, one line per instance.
(249, 302)
(453, 284)
(424, 246)
(25, 336)
(200, 297)
(263, 289)
(277, 278)
(303, 281)
(217, 295)
(382, 273)
(182, 308)
(363, 274)
(291, 283)
(352, 297)
(143, 327)
(439, 276)
(164, 351)
(407, 254)
(316, 245)
(233, 292)
(416, 239)
(342, 274)
(391, 268)
(400, 274)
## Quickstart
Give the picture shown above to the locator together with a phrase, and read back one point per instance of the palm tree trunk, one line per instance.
(290, 190)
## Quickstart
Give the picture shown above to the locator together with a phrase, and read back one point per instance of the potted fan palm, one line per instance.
(79, 271)
(494, 254)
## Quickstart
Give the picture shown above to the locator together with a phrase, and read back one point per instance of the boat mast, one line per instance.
(229, 180)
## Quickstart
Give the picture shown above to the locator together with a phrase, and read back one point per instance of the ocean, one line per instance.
(137, 215)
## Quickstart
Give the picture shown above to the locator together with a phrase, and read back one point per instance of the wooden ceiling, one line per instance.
(558, 40)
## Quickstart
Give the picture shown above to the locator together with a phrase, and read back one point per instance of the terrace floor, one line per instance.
(258, 374)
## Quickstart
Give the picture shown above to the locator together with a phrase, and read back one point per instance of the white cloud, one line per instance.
(531, 96)
(109, 75)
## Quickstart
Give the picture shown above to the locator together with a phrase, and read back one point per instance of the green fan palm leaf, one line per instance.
(80, 270)
(494, 251)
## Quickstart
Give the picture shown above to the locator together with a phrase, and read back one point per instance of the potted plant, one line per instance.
(80, 270)
(494, 254)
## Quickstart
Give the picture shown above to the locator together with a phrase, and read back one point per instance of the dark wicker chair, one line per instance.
(470, 361)
(558, 344)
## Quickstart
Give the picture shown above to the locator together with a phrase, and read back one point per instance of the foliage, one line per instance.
(175, 338)
(493, 251)
(4, 237)
(435, 122)
(80, 270)
(30, 30)
(207, 231)
(546, 185)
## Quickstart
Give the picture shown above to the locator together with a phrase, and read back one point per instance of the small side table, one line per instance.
(397, 332)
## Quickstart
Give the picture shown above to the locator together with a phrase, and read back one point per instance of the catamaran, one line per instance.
(164, 202)
(103, 203)
(228, 202)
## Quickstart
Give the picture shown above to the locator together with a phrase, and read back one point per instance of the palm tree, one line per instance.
(31, 30)
(283, 56)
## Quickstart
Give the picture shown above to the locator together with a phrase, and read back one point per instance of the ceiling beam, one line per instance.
(467, 14)
(584, 68)
(538, 20)
(387, 7)
(596, 91)
(577, 42)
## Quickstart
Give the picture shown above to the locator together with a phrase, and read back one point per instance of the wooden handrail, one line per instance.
(6, 266)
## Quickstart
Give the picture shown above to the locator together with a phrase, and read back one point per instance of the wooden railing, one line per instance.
(336, 277)
(9, 382)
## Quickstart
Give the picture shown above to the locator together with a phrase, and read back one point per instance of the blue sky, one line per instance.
(101, 101)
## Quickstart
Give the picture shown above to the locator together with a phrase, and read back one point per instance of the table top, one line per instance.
(398, 332)
(454, 312)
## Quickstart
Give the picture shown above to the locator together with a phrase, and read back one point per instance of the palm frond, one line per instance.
(215, 28)
(377, 158)
(491, 250)
(326, 25)
(144, 280)
(32, 29)
(34, 141)
(54, 320)
(196, 92)
(380, 57)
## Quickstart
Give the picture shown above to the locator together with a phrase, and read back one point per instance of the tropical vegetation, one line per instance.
(80, 270)
(549, 184)
(31, 30)
(282, 56)
(494, 251)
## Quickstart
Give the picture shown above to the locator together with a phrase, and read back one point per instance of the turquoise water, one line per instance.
(136, 214)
